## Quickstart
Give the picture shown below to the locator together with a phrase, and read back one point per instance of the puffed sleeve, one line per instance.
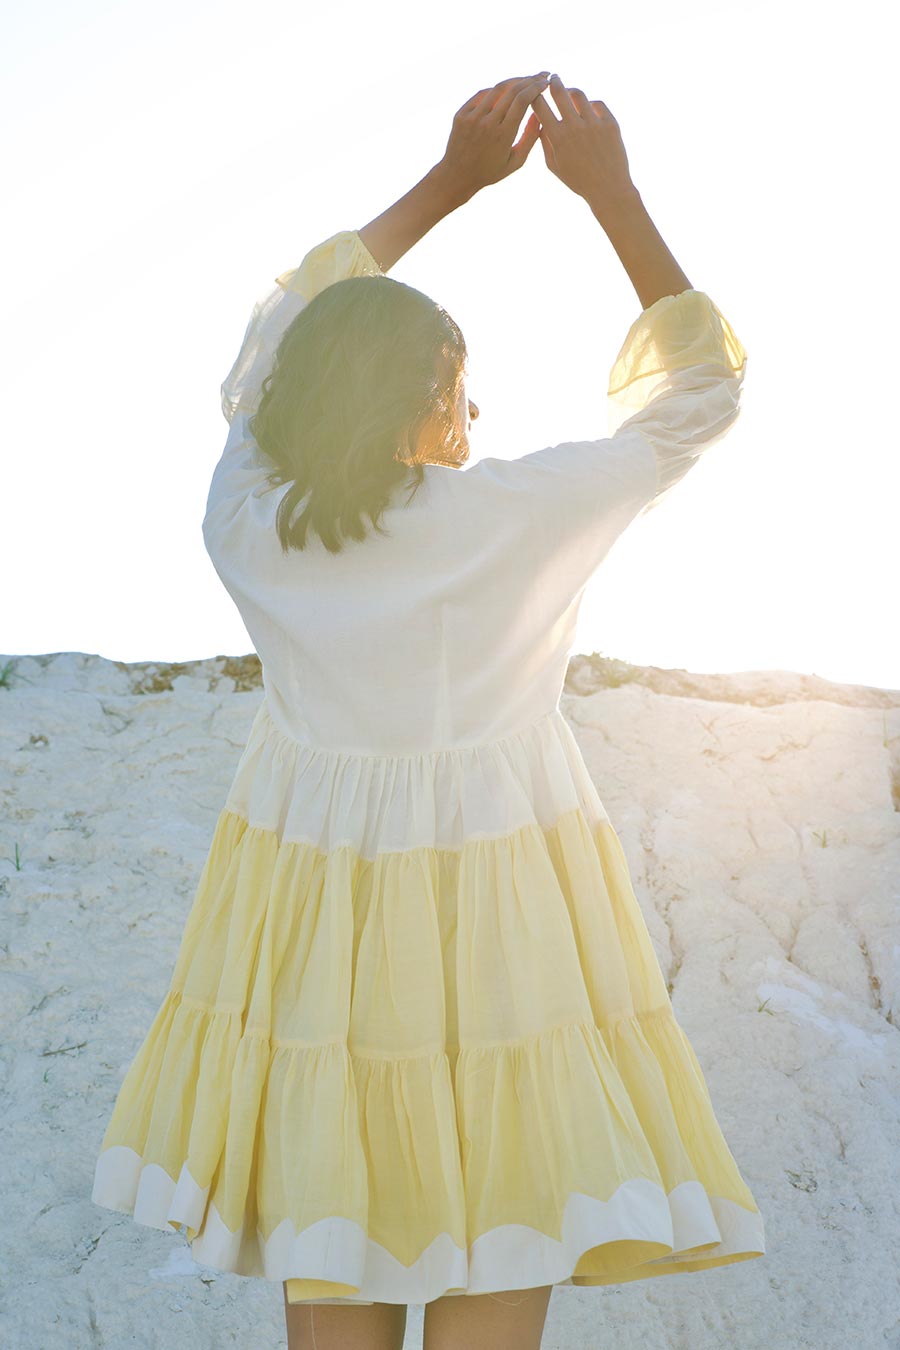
(676, 382)
(242, 467)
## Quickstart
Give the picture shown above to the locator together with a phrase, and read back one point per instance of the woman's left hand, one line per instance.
(480, 149)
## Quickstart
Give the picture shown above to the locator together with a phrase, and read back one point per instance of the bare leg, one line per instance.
(328, 1326)
(509, 1320)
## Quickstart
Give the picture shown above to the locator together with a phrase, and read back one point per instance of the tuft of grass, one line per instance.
(761, 1007)
(8, 670)
(17, 860)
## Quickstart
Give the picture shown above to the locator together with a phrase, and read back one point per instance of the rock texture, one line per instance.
(760, 814)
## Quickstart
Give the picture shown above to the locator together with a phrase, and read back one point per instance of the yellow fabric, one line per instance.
(676, 384)
(386, 1042)
(343, 255)
(674, 333)
(511, 1041)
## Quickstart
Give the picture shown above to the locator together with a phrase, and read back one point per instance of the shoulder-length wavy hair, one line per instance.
(357, 376)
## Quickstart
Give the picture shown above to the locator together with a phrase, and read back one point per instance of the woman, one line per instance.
(417, 1044)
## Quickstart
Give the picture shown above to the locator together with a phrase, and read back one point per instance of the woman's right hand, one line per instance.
(583, 146)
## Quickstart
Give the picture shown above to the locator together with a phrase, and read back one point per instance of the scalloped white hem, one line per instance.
(512, 1256)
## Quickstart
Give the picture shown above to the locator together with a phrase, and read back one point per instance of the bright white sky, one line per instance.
(167, 161)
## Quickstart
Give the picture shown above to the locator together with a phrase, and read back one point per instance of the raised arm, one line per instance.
(680, 370)
(642, 251)
(479, 151)
(394, 232)
(242, 468)
(584, 148)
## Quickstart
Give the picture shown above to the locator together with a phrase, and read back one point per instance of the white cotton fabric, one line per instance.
(456, 629)
(389, 804)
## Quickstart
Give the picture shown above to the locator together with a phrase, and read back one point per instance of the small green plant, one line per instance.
(761, 1007)
(7, 670)
(823, 837)
(17, 860)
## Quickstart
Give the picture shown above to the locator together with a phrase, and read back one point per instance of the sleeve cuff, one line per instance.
(675, 332)
(343, 255)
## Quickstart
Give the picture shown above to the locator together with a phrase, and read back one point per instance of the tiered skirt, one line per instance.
(417, 1041)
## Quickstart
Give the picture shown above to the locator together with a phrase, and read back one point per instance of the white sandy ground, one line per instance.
(760, 814)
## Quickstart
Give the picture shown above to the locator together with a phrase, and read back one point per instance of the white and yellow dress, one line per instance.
(417, 1041)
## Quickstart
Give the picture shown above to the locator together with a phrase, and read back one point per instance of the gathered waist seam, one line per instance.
(554, 714)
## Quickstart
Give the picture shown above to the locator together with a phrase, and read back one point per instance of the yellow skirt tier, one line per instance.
(432, 1071)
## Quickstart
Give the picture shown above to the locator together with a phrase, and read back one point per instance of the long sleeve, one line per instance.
(678, 374)
(242, 468)
(342, 255)
(677, 381)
